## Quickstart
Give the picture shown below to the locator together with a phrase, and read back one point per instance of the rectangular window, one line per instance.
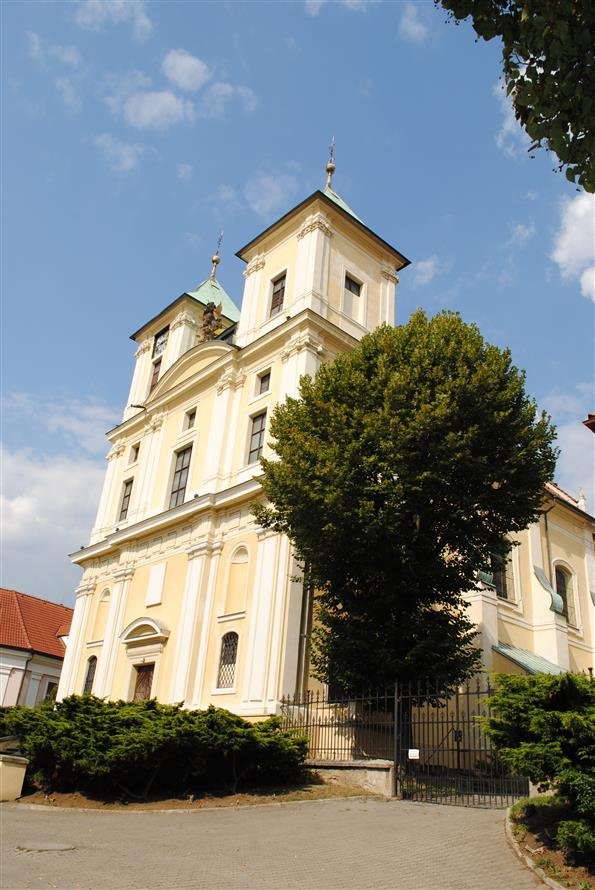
(134, 453)
(178, 489)
(503, 579)
(264, 382)
(155, 375)
(160, 342)
(352, 286)
(189, 419)
(143, 681)
(257, 437)
(278, 295)
(126, 492)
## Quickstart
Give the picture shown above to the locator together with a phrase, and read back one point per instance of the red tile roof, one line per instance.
(27, 622)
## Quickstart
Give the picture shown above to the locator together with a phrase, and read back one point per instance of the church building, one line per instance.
(183, 596)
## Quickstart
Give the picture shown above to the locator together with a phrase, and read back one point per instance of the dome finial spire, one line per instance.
(216, 258)
(330, 167)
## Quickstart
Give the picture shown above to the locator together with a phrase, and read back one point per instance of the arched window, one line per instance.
(564, 587)
(227, 662)
(90, 676)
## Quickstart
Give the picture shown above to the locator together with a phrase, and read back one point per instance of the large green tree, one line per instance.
(400, 470)
(549, 70)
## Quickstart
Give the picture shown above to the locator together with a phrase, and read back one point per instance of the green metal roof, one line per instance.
(210, 291)
(340, 202)
(529, 661)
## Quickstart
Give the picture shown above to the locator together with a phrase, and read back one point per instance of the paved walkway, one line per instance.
(318, 845)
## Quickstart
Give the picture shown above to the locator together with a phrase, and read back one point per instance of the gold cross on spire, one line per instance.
(330, 167)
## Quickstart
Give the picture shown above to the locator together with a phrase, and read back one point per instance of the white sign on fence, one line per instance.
(413, 754)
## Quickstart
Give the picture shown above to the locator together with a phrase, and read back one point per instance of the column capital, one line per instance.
(313, 222)
(124, 574)
(203, 548)
(84, 589)
(145, 345)
(254, 265)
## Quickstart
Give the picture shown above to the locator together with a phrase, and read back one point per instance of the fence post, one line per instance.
(396, 776)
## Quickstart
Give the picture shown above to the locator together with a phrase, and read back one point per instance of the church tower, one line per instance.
(183, 596)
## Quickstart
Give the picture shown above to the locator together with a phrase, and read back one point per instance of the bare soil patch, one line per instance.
(535, 836)
(250, 797)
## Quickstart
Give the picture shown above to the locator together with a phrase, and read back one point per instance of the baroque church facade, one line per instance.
(183, 597)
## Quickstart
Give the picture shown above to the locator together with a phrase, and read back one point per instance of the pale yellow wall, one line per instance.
(502, 665)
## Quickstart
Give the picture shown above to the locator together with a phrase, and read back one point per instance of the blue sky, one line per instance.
(132, 132)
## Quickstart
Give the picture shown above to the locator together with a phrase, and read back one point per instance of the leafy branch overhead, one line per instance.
(549, 70)
(402, 467)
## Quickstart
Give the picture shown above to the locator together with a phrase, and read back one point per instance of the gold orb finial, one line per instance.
(330, 167)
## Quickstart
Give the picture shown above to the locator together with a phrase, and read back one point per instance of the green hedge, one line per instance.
(108, 748)
(544, 728)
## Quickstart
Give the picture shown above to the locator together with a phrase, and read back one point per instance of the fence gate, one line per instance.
(442, 754)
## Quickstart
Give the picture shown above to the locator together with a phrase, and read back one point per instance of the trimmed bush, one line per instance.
(544, 728)
(108, 748)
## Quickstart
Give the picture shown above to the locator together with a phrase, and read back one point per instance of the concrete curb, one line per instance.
(191, 811)
(526, 860)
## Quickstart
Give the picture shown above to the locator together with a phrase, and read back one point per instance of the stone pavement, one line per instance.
(316, 845)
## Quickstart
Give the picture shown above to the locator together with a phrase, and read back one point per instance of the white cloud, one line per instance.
(68, 93)
(184, 171)
(157, 109)
(217, 97)
(49, 495)
(313, 7)
(225, 193)
(410, 27)
(511, 139)
(588, 283)
(574, 242)
(94, 15)
(185, 70)
(121, 156)
(575, 469)
(116, 88)
(522, 233)
(425, 271)
(66, 55)
(268, 192)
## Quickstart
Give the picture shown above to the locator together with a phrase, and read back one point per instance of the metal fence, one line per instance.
(435, 739)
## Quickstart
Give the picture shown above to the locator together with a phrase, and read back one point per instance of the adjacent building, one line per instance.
(33, 637)
(183, 596)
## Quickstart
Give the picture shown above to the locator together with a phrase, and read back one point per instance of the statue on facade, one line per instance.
(211, 323)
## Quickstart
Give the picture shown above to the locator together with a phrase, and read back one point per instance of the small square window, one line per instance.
(263, 383)
(126, 492)
(134, 453)
(189, 419)
(160, 342)
(352, 286)
(278, 295)
(257, 437)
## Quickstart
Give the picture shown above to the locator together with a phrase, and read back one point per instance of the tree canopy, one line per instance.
(549, 71)
(401, 467)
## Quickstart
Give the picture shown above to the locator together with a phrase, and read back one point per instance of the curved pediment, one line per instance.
(189, 364)
(144, 630)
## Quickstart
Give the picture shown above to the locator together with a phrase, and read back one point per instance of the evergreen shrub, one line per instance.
(105, 749)
(544, 728)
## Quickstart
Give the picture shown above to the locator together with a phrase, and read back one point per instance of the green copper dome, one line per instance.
(210, 291)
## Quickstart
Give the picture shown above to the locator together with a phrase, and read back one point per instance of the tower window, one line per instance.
(126, 492)
(155, 374)
(564, 589)
(134, 453)
(257, 437)
(264, 382)
(160, 342)
(90, 675)
(190, 419)
(227, 662)
(278, 295)
(352, 286)
(178, 488)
